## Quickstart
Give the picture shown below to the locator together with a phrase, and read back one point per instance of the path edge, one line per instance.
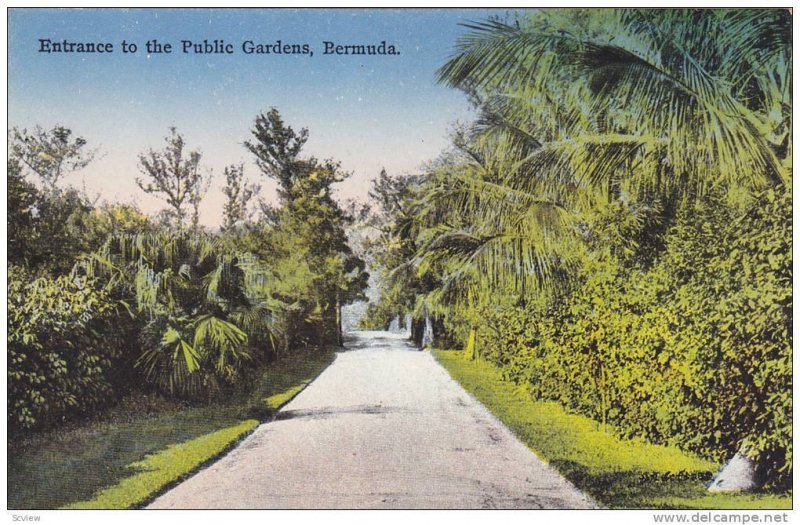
(588, 497)
(142, 505)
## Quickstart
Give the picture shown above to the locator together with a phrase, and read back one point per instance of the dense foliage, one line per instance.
(205, 313)
(59, 358)
(694, 351)
(614, 228)
(103, 298)
(316, 270)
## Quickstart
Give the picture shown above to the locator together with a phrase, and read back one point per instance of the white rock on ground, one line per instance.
(738, 474)
(383, 427)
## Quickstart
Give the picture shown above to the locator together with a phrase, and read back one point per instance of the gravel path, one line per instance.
(383, 427)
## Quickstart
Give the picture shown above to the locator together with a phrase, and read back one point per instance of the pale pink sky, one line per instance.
(368, 112)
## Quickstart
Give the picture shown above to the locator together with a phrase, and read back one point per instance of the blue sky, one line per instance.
(366, 111)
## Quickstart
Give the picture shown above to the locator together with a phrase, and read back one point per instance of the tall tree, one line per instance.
(277, 147)
(306, 234)
(47, 228)
(173, 175)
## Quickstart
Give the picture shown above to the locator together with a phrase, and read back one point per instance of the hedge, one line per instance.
(694, 350)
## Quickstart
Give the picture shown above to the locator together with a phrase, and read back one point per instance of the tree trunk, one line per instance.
(427, 335)
(417, 331)
(339, 335)
(472, 347)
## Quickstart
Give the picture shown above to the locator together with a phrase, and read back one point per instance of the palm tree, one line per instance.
(585, 109)
(688, 97)
(205, 309)
(580, 110)
(484, 237)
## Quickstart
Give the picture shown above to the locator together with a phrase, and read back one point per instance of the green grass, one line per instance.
(165, 467)
(617, 473)
(125, 462)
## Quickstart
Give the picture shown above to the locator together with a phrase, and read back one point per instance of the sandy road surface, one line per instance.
(383, 427)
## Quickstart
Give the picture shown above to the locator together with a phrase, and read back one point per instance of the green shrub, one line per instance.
(693, 351)
(60, 354)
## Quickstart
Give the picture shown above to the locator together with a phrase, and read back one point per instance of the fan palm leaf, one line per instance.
(195, 294)
(643, 65)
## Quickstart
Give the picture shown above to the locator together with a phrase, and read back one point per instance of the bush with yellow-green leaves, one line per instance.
(59, 356)
(694, 350)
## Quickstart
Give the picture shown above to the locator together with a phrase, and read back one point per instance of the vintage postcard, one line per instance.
(400, 258)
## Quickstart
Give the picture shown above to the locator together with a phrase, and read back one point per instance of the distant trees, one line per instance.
(50, 154)
(402, 285)
(173, 175)
(238, 195)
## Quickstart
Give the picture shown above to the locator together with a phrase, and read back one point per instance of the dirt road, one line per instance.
(383, 427)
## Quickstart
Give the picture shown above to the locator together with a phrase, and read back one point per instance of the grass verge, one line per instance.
(617, 473)
(125, 464)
